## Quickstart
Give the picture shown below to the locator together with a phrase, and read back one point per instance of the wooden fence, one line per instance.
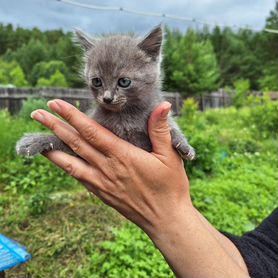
(12, 98)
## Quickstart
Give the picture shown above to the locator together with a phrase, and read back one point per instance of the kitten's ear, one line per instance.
(151, 44)
(83, 39)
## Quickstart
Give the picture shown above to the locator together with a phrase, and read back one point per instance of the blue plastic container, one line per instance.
(11, 253)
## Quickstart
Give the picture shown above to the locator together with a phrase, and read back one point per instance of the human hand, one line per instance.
(148, 188)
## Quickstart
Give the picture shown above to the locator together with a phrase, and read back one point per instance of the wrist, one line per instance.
(165, 228)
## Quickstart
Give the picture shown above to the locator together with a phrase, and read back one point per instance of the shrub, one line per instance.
(39, 203)
(189, 109)
(12, 73)
(57, 79)
(241, 195)
(242, 87)
(264, 116)
(30, 105)
(130, 254)
(207, 151)
(26, 175)
(11, 129)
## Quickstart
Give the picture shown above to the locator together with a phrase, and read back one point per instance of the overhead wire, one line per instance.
(162, 15)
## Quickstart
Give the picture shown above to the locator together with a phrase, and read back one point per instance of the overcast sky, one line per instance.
(51, 14)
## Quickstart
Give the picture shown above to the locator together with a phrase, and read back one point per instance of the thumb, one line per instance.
(159, 130)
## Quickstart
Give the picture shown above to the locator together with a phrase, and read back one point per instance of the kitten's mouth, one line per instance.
(113, 106)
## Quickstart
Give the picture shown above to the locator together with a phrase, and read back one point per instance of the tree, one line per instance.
(56, 80)
(46, 70)
(269, 80)
(28, 55)
(193, 65)
(11, 73)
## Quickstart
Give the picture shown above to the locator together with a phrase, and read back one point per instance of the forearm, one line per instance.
(227, 244)
(192, 250)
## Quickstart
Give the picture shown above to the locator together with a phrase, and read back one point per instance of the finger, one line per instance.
(159, 130)
(98, 136)
(75, 167)
(69, 136)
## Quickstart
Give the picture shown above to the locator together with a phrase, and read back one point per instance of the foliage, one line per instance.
(11, 130)
(62, 237)
(129, 254)
(46, 70)
(242, 88)
(194, 62)
(263, 116)
(269, 80)
(39, 203)
(19, 174)
(31, 105)
(28, 55)
(241, 195)
(189, 109)
(11, 73)
(57, 79)
(70, 234)
(32, 47)
(190, 65)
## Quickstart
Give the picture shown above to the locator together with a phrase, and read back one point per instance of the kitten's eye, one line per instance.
(96, 82)
(124, 82)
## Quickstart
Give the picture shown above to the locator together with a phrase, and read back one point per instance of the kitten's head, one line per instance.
(121, 70)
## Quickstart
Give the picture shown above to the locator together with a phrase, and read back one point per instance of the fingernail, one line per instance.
(54, 105)
(166, 110)
(37, 115)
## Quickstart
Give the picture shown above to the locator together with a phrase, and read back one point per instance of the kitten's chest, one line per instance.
(124, 126)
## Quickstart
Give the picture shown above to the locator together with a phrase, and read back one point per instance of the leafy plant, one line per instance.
(39, 203)
(130, 254)
(31, 105)
(242, 88)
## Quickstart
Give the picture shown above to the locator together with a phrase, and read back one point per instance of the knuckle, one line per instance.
(69, 114)
(70, 170)
(75, 143)
(90, 133)
(53, 126)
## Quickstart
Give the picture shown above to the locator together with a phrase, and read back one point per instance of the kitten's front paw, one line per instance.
(33, 144)
(185, 151)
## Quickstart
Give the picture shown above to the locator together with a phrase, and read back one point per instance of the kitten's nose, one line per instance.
(107, 99)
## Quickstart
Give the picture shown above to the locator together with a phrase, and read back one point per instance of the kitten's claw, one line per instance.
(33, 144)
(186, 152)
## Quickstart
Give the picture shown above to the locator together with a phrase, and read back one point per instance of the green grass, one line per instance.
(72, 234)
(62, 238)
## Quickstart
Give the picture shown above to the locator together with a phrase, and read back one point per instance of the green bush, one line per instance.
(264, 116)
(11, 129)
(25, 175)
(207, 152)
(242, 88)
(20, 174)
(30, 105)
(189, 109)
(130, 254)
(241, 195)
(39, 203)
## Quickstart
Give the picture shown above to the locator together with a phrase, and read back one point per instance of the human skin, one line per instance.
(149, 189)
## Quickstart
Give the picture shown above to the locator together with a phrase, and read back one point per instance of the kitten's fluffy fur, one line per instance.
(123, 74)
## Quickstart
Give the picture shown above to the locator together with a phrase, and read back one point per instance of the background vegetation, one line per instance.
(71, 234)
(194, 62)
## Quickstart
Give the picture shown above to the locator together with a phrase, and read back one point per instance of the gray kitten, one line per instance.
(123, 74)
